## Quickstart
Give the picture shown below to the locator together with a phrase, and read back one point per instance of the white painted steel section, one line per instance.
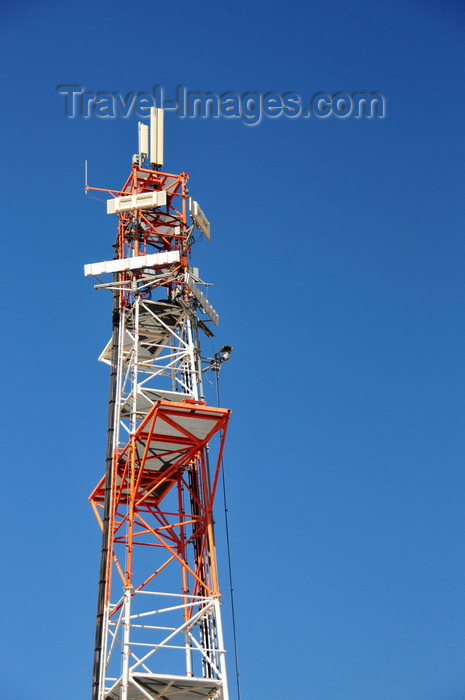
(135, 263)
(189, 671)
(128, 633)
(134, 368)
(103, 667)
(126, 643)
(164, 357)
(191, 361)
(221, 650)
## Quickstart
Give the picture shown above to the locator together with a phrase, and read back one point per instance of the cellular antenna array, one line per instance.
(158, 630)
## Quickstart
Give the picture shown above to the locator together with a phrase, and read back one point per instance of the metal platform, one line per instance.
(165, 443)
(157, 320)
(147, 397)
(171, 431)
(163, 687)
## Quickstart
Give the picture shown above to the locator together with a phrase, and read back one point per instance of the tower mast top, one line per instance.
(158, 631)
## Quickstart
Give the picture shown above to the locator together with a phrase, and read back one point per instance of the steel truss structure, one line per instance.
(159, 632)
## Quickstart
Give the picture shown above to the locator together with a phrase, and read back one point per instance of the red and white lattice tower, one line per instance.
(159, 632)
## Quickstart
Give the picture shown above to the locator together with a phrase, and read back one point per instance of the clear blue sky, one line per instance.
(338, 260)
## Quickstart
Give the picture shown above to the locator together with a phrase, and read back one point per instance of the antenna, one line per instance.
(156, 136)
(143, 141)
(199, 218)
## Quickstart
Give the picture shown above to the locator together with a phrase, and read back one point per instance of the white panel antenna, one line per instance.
(199, 218)
(201, 298)
(131, 202)
(135, 263)
(143, 140)
(157, 128)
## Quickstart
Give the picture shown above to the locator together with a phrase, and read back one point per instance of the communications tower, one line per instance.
(159, 631)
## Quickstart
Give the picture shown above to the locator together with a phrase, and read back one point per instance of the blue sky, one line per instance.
(337, 258)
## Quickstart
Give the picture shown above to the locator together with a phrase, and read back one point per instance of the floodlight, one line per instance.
(219, 357)
(225, 352)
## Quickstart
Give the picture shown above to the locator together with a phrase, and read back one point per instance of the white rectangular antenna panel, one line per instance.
(161, 135)
(143, 139)
(205, 304)
(131, 202)
(200, 220)
(135, 263)
(157, 128)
